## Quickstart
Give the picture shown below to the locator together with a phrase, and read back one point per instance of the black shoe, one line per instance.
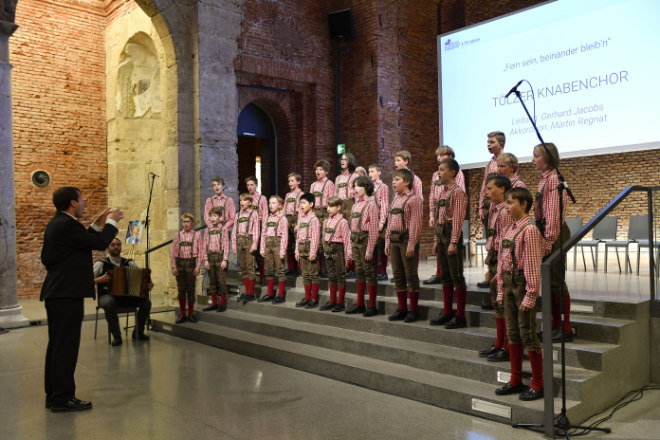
(181, 319)
(338, 308)
(350, 275)
(371, 311)
(399, 315)
(483, 284)
(441, 320)
(191, 318)
(278, 300)
(487, 352)
(501, 355)
(312, 303)
(456, 322)
(265, 298)
(116, 342)
(433, 280)
(221, 308)
(508, 389)
(241, 297)
(530, 394)
(71, 405)
(327, 306)
(139, 336)
(411, 317)
(210, 307)
(302, 302)
(556, 336)
(355, 309)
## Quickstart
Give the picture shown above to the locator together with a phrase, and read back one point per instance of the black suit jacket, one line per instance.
(67, 255)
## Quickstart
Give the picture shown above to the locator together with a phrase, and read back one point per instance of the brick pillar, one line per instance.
(10, 311)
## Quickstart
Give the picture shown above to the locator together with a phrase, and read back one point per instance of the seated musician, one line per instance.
(110, 302)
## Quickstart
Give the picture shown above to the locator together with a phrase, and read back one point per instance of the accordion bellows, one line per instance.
(129, 281)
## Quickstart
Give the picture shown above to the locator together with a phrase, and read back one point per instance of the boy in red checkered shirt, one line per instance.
(307, 250)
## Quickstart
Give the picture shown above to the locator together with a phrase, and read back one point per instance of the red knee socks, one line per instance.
(414, 299)
(214, 298)
(271, 288)
(291, 261)
(536, 359)
(333, 295)
(261, 270)
(373, 291)
(567, 312)
(448, 296)
(342, 294)
(461, 295)
(223, 299)
(191, 307)
(383, 264)
(438, 271)
(308, 292)
(515, 356)
(402, 296)
(282, 288)
(500, 325)
(361, 287)
(315, 292)
(182, 306)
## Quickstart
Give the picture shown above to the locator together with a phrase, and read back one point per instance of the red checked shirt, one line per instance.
(292, 202)
(275, 226)
(436, 188)
(548, 187)
(413, 219)
(186, 244)
(382, 198)
(309, 229)
(454, 211)
(260, 204)
(369, 211)
(247, 223)
(215, 240)
(344, 183)
(340, 226)
(417, 188)
(528, 248)
(491, 168)
(322, 189)
(516, 182)
(498, 220)
(229, 213)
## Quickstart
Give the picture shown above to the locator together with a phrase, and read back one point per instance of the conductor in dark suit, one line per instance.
(67, 255)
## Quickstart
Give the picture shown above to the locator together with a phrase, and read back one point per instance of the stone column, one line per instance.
(10, 311)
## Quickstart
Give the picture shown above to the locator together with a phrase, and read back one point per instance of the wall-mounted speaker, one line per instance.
(342, 25)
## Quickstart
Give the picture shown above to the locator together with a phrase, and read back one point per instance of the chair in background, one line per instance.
(574, 224)
(603, 232)
(638, 233)
(120, 311)
(466, 242)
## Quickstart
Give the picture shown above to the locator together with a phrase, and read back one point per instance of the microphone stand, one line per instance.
(563, 423)
(146, 226)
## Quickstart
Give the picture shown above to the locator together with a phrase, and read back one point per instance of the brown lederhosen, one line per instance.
(491, 261)
(555, 271)
(520, 326)
(244, 246)
(217, 276)
(348, 202)
(310, 272)
(451, 265)
(185, 281)
(364, 270)
(334, 254)
(274, 266)
(404, 269)
(257, 256)
(292, 219)
(380, 243)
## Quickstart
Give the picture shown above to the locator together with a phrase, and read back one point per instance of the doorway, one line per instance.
(257, 149)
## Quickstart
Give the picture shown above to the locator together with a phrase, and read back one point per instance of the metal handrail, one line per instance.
(546, 303)
(155, 248)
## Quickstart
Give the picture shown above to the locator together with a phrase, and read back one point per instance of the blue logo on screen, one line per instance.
(449, 45)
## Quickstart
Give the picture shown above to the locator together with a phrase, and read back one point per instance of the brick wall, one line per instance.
(58, 118)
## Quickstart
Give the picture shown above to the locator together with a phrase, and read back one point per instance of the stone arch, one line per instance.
(138, 79)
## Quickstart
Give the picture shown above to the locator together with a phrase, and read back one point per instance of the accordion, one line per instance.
(129, 281)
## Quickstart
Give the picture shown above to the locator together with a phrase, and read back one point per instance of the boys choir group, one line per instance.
(351, 225)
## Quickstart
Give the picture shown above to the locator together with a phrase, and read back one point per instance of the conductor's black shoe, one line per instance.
(191, 318)
(530, 394)
(116, 342)
(181, 319)
(210, 307)
(71, 405)
(411, 317)
(302, 302)
(441, 320)
(221, 307)
(433, 280)
(399, 315)
(501, 355)
(312, 303)
(139, 336)
(355, 309)
(556, 336)
(508, 389)
(327, 306)
(371, 311)
(483, 284)
(265, 298)
(487, 352)
(278, 300)
(456, 322)
(338, 308)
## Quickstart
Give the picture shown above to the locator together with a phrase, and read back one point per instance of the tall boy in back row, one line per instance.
(382, 198)
(322, 190)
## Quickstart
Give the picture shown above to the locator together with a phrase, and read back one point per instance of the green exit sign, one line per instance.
(341, 148)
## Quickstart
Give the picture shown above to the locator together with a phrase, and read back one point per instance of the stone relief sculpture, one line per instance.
(138, 80)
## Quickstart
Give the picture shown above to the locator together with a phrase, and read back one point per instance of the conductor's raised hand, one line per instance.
(100, 218)
(116, 215)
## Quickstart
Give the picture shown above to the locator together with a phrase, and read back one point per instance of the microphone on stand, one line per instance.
(514, 88)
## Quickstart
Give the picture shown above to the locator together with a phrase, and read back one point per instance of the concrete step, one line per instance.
(440, 389)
